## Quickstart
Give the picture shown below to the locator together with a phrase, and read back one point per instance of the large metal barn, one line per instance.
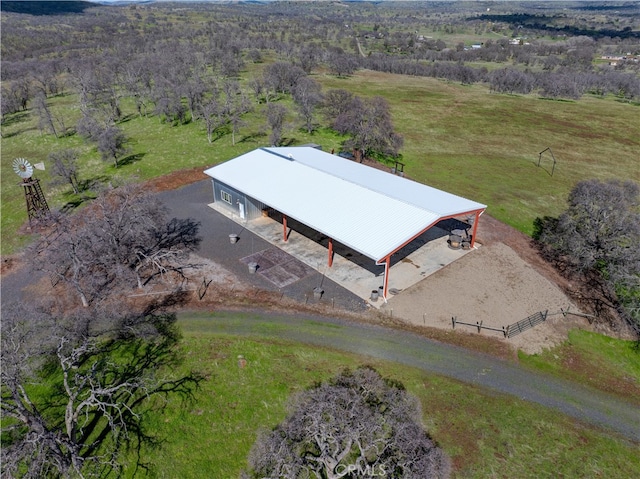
(350, 208)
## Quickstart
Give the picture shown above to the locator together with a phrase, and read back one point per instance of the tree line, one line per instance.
(132, 50)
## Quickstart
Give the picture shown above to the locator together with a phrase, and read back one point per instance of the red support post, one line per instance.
(330, 252)
(385, 290)
(475, 228)
(284, 228)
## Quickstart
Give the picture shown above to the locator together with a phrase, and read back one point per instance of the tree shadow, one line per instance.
(90, 183)
(252, 137)
(76, 201)
(15, 118)
(127, 118)
(287, 142)
(85, 194)
(129, 160)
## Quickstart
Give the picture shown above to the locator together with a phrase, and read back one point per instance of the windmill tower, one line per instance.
(37, 207)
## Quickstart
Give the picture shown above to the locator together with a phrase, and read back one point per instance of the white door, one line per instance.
(241, 208)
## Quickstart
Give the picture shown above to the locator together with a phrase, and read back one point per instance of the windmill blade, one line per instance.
(22, 168)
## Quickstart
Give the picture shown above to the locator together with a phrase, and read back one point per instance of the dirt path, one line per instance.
(579, 402)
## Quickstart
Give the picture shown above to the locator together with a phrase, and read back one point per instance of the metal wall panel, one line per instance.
(252, 207)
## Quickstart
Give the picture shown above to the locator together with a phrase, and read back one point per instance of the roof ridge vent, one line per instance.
(288, 157)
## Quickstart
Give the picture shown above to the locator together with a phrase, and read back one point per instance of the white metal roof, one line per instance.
(368, 210)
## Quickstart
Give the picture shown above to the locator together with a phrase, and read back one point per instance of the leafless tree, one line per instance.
(307, 96)
(281, 77)
(99, 128)
(258, 87)
(336, 102)
(342, 64)
(19, 93)
(65, 166)
(212, 113)
(8, 103)
(368, 122)
(194, 90)
(121, 241)
(136, 79)
(240, 106)
(276, 116)
(356, 425)
(76, 391)
(47, 120)
(112, 144)
(96, 84)
(307, 57)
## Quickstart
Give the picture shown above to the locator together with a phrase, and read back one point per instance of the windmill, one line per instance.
(37, 206)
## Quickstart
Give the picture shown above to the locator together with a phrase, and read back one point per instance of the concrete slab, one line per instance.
(361, 276)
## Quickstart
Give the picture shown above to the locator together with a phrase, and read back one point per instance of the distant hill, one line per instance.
(45, 8)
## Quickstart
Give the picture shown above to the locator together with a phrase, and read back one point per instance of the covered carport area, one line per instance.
(374, 213)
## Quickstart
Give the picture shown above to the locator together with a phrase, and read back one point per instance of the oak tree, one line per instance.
(600, 233)
(65, 166)
(123, 240)
(355, 425)
(77, 388)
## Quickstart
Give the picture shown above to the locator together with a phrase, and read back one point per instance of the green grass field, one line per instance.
(593, 359)
(485, 434)
(458, 138)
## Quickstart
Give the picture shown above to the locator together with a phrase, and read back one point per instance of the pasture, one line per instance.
(462, 139)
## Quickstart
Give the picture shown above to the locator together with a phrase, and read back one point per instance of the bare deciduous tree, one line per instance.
(281, 77)
(47, 120)
(356, 425)
(307, 96)
(276, 115)
(76, 391)
(336, 103)
(369, 124)
(212, 113)
(112, 144)
(65, 166)
(342, 64)
(600, 232)
(121, 241)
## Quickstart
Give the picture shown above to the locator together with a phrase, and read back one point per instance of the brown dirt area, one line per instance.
(503, 281)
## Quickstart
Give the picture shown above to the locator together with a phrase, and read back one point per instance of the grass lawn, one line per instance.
(602, 362)
(485, 434)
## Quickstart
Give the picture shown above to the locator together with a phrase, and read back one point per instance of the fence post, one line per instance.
(479, 326)
(453, 322)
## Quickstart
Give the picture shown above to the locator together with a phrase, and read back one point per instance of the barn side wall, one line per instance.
(231, 199)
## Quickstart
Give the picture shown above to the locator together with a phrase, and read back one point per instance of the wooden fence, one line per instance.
(511, 330)
(478, 325)
(526, 323)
